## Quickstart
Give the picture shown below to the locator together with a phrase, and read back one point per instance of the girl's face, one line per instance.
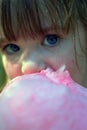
(51, 50)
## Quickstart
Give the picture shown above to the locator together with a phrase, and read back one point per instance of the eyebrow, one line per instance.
(56, 29)
(50, 28)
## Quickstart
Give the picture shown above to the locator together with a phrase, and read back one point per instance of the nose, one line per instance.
(32, 67)
(32, 63)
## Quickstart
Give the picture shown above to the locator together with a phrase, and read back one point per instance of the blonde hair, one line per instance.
(22, 18)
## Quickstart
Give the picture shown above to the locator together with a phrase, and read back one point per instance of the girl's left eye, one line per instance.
(51, 40)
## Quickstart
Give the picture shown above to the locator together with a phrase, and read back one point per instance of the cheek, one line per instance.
(12, 70)
(63, 59)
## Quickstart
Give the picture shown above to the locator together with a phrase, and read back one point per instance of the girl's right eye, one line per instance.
(11, 48)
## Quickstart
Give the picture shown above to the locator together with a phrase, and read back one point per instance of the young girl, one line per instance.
(36, 34)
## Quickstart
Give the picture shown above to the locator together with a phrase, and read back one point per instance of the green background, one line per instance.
(3, 77)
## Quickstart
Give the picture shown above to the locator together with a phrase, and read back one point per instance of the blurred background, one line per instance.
(3, 76)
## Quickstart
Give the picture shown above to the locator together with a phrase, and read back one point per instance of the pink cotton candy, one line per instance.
(43, 101)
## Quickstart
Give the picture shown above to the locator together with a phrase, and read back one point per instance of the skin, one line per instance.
(37, 54)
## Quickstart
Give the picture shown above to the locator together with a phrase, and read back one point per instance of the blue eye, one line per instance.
(11, 48)
(51, 40)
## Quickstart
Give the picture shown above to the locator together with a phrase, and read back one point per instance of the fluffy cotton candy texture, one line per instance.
(43, 101)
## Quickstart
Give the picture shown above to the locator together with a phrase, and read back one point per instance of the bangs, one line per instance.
(30, 18)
